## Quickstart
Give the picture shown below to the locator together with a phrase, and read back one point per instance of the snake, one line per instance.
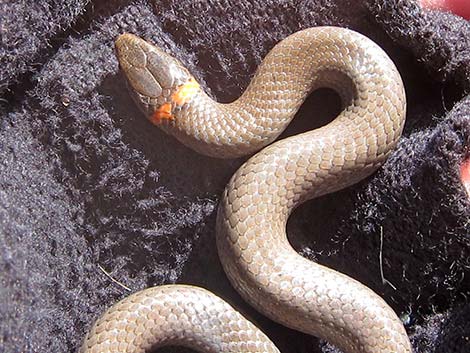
(279, 176)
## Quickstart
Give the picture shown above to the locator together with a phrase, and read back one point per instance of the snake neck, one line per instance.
(303, 62)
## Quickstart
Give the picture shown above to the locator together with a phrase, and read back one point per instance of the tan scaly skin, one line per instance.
(258, 200)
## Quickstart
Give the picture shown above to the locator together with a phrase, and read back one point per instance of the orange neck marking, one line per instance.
(465, 175)
(185, 92)
(161, 114)
(181, 96)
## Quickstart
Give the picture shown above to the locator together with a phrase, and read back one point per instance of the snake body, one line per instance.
(252, 215)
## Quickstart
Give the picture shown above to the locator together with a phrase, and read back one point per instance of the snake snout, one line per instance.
(132, 54)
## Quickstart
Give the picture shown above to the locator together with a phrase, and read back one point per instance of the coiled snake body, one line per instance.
(259, 198)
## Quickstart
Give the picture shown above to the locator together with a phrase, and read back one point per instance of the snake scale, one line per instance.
(252, 215)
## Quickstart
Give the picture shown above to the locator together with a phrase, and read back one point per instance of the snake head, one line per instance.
(159, 83)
